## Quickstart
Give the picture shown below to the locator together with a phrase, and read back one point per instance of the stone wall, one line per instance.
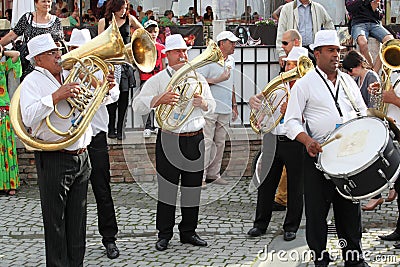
(134, 158)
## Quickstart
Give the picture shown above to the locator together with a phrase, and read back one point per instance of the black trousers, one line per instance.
(63, 182)
(178, 158)
(319, 194)
(121, 105)
(148, 119)
(289, 154)
(100, 180)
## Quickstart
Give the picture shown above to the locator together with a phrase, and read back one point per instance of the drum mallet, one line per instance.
(337, 136)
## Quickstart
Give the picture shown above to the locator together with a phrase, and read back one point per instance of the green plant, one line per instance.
(268, 21)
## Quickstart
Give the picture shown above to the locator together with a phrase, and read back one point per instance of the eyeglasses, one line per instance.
(285, 42)
(53, 52)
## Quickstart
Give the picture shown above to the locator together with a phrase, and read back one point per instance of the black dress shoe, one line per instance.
(162, 244)
(396, 245)
(112, 251)
(391, 237)
(112, 135)
(278, 207)
(254, 232)
(289, 236)
(121, 136)
(195, 240)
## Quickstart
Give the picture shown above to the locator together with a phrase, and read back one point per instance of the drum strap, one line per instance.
(335, 97)
(349, 96)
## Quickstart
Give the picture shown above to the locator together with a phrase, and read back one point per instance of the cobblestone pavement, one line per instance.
(226, 215)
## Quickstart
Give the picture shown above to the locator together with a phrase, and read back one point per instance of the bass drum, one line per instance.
(364, 161)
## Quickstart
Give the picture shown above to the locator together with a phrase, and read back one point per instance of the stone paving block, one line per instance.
(224, 222)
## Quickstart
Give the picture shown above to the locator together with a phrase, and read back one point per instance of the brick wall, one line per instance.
(134, 158)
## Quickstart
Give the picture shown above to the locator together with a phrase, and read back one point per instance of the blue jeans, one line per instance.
(367, 29)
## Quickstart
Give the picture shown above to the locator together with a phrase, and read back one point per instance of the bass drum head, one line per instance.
(361, 140)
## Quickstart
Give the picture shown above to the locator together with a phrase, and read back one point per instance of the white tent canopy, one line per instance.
(20, 7)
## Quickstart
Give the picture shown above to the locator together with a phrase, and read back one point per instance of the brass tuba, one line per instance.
(274, 94)
(170, 117)
(390, 57)
(98, 54)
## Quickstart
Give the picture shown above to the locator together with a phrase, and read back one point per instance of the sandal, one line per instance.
(392, 195)
(11, 192)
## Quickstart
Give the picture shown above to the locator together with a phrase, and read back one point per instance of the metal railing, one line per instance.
(255, 66)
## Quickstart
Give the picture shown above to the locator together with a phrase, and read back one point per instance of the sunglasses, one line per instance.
(53, 52)
(285, 42)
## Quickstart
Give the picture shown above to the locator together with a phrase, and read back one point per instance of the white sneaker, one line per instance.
(146, 133)
(155, 131)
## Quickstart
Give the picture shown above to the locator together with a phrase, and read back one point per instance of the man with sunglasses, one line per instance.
(306, 16)
(290, 39)
(62, 175)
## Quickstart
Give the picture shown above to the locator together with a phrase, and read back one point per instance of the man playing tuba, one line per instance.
(179, 152)
(63, 174)
(287, 153)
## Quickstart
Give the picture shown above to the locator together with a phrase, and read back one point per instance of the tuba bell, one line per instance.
(274, 94)
(170, 117)
(99, 54)
(390, 56)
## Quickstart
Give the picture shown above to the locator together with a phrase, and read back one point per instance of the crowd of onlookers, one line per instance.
(90, 18)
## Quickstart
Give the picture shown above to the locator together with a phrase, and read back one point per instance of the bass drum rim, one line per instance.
(374, 193)
(362, 167)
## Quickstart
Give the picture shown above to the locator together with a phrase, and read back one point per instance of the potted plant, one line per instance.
(265, 29)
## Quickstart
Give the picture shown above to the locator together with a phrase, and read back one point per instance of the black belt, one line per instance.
(73, 152)
(183, 134)
(283, 138)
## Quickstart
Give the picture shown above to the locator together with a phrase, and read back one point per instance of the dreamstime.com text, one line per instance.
(307, 255)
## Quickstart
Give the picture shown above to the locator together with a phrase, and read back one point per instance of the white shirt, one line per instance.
(310, 99)
(37, 103)
(100, 119)
(393, 111)
(222, 91)
(280, 129)
(157, 84)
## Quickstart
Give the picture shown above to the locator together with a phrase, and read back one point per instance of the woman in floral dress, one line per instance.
(9, 177)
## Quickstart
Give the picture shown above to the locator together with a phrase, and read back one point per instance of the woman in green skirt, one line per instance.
(9, 176)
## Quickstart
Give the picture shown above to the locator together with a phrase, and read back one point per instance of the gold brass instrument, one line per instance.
(390, 57)
(170, 117)
(97, 55)
(274, 94)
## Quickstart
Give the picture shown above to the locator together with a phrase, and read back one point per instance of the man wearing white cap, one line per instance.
(63, 175)
(179, 152)
(221, 79)
(99, 158)
(318, 103)
(287, 153)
